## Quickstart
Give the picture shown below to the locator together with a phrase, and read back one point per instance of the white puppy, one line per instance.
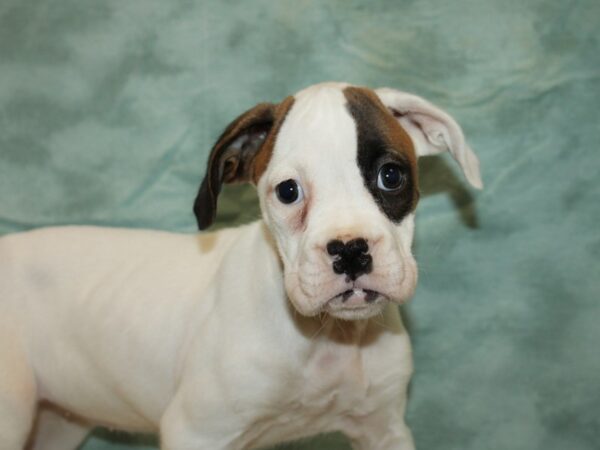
(246, 337)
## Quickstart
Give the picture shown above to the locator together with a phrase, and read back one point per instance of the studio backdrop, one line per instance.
(108, 110)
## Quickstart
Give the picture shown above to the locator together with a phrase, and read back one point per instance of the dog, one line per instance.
(246, 337)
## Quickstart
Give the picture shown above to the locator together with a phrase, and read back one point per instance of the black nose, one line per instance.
(351, 258)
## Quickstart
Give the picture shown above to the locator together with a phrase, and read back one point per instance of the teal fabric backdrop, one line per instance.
(108, 110)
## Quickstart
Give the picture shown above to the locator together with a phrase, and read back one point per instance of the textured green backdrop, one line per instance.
(108, 110)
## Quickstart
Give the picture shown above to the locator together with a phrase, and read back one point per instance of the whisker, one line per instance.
(323, 324)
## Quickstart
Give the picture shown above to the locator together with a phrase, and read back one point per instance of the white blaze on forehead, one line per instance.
(326, 86)
(318, 117)
(318, 124)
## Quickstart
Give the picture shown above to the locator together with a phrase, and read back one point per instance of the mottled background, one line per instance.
(108, 110)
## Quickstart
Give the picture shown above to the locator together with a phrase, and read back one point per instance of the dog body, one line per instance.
(246, 337)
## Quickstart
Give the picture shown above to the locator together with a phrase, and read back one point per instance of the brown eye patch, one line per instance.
(381, 140)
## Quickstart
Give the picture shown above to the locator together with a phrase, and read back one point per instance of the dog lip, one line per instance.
(370, 296)
(370, 304)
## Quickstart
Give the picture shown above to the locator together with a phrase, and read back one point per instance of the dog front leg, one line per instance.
(18, 392)
(55, 432)
(182, 429)
(384, 430)
(398, 438)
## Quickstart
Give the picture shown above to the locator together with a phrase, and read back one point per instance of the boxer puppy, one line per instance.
(249, 336)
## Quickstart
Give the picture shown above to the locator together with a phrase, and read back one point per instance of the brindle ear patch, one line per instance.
(241, 154)
(237, 159)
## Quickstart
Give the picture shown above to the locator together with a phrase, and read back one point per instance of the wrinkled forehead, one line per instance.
(340, 119)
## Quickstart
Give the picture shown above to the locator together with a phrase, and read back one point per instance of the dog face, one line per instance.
(336, 171)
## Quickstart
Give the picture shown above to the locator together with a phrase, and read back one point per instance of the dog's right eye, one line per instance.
(289, 191)
(390, 177)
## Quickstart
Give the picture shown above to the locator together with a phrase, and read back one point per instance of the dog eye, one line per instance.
(289, 191)
(390, 177)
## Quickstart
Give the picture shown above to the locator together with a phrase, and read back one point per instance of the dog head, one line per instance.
(336, 171)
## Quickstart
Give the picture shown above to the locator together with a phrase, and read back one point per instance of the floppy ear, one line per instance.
(233, 157)
(432, 130)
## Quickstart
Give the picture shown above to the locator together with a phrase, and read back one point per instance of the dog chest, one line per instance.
(334, 387)
(317, 399)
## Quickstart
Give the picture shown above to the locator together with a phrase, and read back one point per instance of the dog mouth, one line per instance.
(367, 295)
(355, 303)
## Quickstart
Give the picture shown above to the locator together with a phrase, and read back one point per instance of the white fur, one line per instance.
(193, 336)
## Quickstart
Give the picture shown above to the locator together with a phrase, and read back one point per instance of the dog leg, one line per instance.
(400, 438)
(178, 435)
(53, 431)
(383, 430)
(18, 396)
(179, 429)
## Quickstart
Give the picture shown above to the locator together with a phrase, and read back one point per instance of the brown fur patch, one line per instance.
(386, 123)
(380, 134)
(261, 161)
(241, 154)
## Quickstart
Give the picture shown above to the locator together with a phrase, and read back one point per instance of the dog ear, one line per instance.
(432, 130)
(232, 159)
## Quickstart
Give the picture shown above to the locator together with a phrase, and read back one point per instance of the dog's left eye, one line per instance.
(390, 177)
(289, 191)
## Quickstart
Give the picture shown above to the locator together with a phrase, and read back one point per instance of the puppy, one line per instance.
(247, 337)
